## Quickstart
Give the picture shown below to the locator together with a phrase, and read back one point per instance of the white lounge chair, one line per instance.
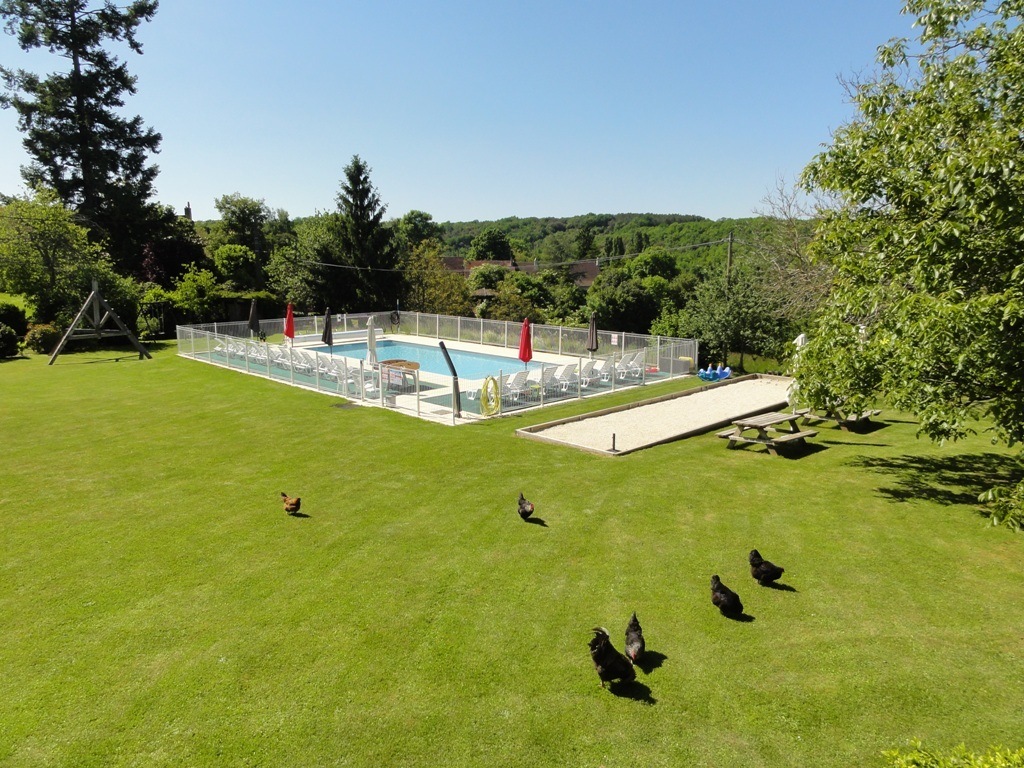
(589, 373)
(566, 378)
(302, 362)
(515, 384)
(256, 353)
(547, 380)
(625, 364)
(638, 364)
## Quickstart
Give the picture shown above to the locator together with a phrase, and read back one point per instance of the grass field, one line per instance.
(158, 608)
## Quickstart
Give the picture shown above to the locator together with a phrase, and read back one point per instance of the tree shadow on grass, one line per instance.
(634, 690)
(947, 480)
(855, 442)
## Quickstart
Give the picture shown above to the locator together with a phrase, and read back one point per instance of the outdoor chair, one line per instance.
(547, 377)
(638, 364)
(302, 362)
(588, 373)
(623, 363)
(515, 384)
(279, 358)
(256, 353)
(566, 377)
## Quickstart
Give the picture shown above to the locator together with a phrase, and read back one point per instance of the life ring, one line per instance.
(395, 318)
(490, 397)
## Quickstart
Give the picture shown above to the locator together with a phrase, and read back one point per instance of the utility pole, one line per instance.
(728, 265)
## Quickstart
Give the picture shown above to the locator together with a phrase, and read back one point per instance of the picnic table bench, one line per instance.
(765, 431)
(846, 421)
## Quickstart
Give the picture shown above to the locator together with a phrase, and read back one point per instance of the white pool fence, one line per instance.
(622, 360)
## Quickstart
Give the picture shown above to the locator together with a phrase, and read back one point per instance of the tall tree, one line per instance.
(586, 243)
(925, 234)
(310, 271)
(80, 143)
(367, 245)
(417, 227)
(491, 244)
(431, 286)
(781, 244)
(244, 221)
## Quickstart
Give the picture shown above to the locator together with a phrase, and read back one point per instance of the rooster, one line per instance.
(728, 602)
(609, 663)
(763, 570)
(635, 645)
(525, 507)
(291, 505)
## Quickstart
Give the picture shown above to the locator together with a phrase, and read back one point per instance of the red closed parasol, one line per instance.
(289, 323)
(525, 343)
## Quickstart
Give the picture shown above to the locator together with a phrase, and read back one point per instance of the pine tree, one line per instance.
(367, 244)
(80, 144)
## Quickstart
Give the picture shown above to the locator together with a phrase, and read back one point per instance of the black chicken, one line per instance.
(609, 663)
(525, 507)
(763, 570)
(635, 645)
(728, 602)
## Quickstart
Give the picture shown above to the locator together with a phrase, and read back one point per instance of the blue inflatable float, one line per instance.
(715, 374)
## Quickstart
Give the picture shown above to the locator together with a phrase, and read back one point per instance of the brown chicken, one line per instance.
(763, 570)
(525, 507)
(609, 663)
(291, 505)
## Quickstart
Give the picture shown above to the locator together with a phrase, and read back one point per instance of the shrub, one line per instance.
(8, 341)
(42, 338)
(917, 757)
(14, 317)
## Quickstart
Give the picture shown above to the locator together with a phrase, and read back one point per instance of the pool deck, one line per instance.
(435, 400)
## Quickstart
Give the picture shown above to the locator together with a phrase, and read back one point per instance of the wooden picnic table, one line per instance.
(766, 431)
(847, 421)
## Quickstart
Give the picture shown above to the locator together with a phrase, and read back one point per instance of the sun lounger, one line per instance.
(515, 385)
(566, 377)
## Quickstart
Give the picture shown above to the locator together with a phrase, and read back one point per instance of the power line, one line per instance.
(598, 260)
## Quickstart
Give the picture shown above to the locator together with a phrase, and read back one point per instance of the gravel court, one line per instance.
(664, 419)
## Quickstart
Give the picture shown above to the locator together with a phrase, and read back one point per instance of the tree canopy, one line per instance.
(47, 257)
(80, 143)
(925, 231)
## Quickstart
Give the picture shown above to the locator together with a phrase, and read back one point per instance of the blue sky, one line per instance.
(475, 110)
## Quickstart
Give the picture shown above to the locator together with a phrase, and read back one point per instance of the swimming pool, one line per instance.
(468, 365)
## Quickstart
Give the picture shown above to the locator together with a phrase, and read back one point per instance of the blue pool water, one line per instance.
(469, 365)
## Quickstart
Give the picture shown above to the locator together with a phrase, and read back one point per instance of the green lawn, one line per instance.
(158, 608)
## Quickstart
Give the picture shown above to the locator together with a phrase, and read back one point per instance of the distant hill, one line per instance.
(553, 239)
